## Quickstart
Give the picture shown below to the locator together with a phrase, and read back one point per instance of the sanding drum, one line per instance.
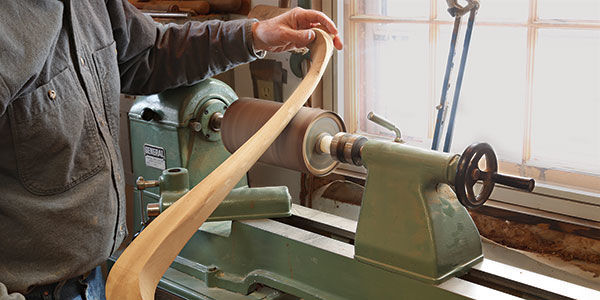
(296, 147)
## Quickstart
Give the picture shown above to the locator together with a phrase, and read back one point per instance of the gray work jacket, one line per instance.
(62, 67)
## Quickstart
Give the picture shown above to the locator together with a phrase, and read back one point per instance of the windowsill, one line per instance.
(558, 200)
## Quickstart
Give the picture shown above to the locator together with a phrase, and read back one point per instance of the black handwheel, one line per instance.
(468, 173)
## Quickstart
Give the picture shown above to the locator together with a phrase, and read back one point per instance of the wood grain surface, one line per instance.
(138, 270)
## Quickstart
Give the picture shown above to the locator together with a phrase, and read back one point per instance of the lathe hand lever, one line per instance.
(468, 173)
(522, 183)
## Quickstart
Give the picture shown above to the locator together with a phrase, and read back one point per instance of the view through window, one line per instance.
(531, 86)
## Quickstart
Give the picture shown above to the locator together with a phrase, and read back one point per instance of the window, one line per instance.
(531, 86)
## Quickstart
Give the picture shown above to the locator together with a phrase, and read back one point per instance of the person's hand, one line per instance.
(292, 30)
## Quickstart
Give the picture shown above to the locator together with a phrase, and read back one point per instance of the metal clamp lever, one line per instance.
(387, 125)
(142, 184)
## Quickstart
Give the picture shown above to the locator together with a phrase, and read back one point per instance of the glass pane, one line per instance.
(569, 9)
(566, 100)
(492, 10)
(392, 77)
(492, 100)
(395, 8)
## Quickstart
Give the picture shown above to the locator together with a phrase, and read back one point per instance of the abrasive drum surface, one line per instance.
(245, 116)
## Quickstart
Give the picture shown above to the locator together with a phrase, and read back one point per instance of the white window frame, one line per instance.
(339, 84)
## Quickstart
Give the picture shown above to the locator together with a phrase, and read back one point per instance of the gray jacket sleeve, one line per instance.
(154, 57)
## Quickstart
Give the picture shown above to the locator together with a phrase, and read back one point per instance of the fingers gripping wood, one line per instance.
(138, 270)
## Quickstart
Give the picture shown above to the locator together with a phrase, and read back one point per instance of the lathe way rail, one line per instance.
(504, 278)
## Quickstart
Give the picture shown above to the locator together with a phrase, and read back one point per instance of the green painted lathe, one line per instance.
(413, 239)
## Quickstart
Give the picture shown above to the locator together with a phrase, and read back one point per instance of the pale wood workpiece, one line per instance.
(138, 270)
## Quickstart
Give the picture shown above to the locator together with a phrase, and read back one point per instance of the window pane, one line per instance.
(569, 9)
(392, 77)
(492, 10)
(395, 8)
(566, 100)
(492, 100)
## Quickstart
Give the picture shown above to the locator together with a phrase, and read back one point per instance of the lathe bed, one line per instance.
(321, 232)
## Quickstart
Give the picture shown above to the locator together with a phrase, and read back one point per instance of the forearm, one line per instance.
(154, 57)
(185, 54)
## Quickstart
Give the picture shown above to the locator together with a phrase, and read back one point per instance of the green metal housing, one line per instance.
(241, 204)
(410, 220)
(183, 146)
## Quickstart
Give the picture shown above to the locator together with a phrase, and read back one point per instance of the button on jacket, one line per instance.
(63, 65)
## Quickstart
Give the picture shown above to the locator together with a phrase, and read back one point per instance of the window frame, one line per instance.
(579, 203)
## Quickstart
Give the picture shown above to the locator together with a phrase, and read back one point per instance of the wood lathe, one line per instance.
(414, 238)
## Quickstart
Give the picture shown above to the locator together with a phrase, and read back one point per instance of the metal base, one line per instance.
(248, 259)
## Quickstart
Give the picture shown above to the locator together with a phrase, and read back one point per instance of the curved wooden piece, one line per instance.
(138, 270)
